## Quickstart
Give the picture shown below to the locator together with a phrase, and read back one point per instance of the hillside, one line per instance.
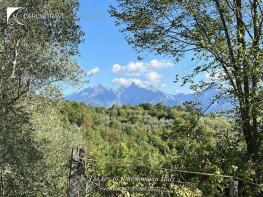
(138, 141)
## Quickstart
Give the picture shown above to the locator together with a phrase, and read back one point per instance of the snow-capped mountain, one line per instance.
(135, 94)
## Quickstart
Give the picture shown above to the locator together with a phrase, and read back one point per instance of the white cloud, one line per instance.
(153, 76)
(122, 81)
(160, 64)
(136, 67)
(140, 68)
(127, 82)
(93, 71)
(144, 73)
(133, 68)
(116, 68)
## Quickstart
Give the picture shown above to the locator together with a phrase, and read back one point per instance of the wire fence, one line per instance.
(99, 182)
(193, 172)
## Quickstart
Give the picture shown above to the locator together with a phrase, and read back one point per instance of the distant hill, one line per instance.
(135, 94)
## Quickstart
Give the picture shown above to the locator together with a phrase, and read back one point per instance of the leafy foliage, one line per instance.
(34, 58)
(153, 140)
(225, 40)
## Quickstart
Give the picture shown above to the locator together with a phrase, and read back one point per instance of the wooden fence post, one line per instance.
(233, 188)
(77, 169)
(1, 184)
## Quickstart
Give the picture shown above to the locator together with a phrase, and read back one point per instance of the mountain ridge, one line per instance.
(134, 94)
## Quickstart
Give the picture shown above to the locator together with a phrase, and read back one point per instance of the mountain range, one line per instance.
(135, 94)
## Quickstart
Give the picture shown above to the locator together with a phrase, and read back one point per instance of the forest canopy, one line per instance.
(147, 149)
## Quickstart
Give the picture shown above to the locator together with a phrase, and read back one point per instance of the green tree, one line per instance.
(40, 52)
(55, 137)
(34, 58)
(225, 35)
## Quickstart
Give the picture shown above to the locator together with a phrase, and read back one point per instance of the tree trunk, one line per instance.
(77, 170)
(250, 132)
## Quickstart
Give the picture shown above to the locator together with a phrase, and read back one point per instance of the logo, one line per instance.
(13, 11)
(18, 14)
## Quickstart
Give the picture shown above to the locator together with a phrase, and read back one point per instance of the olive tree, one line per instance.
(225, 35)
(38, 46)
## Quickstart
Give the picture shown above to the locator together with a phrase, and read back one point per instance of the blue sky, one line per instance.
(106, 53)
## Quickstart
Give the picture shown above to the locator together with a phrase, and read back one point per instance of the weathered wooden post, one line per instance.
(1, 184)
(77, 170)
(233, 188)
